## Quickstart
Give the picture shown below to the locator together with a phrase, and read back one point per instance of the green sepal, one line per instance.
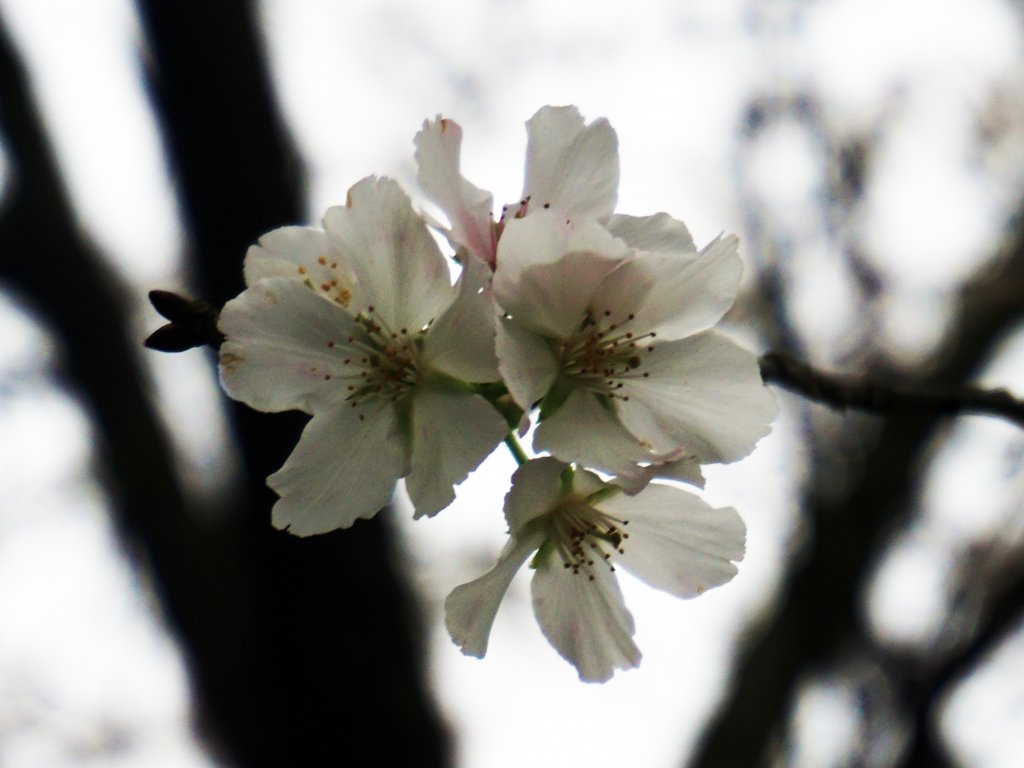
(603, 493)
(556, 397)
(542, 552)
(566, 478)
(442, 381)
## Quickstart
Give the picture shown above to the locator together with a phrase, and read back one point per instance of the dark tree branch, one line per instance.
(47, 260)
(844, 392)
(820, 609)
(992, 609)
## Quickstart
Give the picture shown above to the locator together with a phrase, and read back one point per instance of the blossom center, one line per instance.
(606, 351)
(380, 363)
(585, 537)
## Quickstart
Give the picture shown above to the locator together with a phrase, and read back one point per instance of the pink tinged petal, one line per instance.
(536, 491)
(469, 209)
(690, 297)
(470, 609)
(586, 431)
(526, 363)
(703, 394)
(452, 432)
(399, 268)
(660, 233)
(461, 342)
(676, 542)
(280, 352)
(586, 621)
(570, 166)
(344, 468)
(304, 254)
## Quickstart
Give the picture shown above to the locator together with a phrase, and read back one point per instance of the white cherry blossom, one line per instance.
(577, 529)
(614, 344)
(360, 327)
(572, 168)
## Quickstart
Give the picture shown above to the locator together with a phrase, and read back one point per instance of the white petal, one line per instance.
(660, 233)
(536, 490)
(537, 239)
(277, 355)
(586, 621)
(452, 432)
(461, 342)
(704, 394)
(677, 542)
(702, 291)
(469, 209)
(470, 609)
(400, 270)
(526, 362)
(624, 292)
(586, 431)
(674, 296)
(551, 293)
(545, 238)
(569, 166)
(540, 239)
(685, 469)
(343, 468)
(552, 299)
(304, 254)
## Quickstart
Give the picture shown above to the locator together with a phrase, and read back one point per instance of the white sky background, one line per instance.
(356, 80)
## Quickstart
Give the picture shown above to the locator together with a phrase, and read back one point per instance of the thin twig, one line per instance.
(844, 392)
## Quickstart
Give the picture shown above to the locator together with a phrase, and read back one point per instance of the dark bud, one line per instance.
(193, 323)
(175, 308)
(170, 338)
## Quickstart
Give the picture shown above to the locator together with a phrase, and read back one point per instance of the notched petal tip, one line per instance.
(460, 607)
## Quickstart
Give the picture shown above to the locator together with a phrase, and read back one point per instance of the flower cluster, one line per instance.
(593, 326)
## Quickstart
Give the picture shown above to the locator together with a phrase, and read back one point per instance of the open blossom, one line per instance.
(577, 529)
(360, 326)
(614, 343)
(606, 317)
(572, 168)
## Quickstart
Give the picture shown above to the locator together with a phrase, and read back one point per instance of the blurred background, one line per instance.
(870, 154)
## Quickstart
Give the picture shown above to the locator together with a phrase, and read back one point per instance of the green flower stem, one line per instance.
(515, 448)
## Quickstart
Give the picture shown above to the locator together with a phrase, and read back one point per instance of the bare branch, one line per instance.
(844, 392)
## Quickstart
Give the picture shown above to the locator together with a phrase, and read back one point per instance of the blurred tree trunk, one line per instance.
(301, 651)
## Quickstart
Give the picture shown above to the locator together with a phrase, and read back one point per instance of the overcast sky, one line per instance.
(356, 80)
